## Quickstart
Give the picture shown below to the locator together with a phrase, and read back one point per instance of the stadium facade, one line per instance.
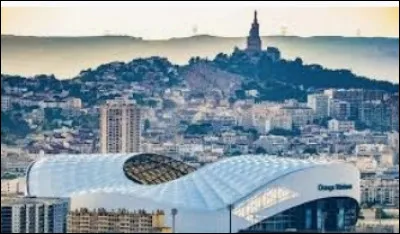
(254, 193)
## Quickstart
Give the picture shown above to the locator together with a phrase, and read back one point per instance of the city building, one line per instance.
(278, 122)
(369, 150)
(382, 153)
(3, 166)
(6, 103)
(74, 103)
(393, 140)
(393, 103)
(373, 95)
(254, 40)
(340, 110)
(273, 144)
(120, 221)
(376, 115)
(120, 127)
(300, 115)
(378, 225)
(255, 191)
(341, 125)
(33, 215)
(378, 191)
(16, 90)
(13, 187)
(320, 104)
(355, 97)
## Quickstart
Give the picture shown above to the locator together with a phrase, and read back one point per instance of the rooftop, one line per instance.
(10, 201)
(211, 187)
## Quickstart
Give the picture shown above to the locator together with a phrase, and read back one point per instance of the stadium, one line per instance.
(246, 193)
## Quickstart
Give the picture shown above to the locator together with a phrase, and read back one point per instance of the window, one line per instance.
(271, 197)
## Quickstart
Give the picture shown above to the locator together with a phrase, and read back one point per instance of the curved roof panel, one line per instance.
(212, 187)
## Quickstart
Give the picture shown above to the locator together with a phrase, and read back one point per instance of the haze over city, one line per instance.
(174, 21)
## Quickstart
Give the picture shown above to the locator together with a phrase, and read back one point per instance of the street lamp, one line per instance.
(230, 207)
(174, 212)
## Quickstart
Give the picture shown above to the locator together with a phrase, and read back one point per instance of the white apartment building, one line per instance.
(278, 121)
(320, 104)
(301, 116)
(120, 127)
(341, 125)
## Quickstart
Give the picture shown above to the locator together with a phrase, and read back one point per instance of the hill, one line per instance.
(377, 58)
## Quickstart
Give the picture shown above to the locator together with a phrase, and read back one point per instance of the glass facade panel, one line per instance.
(324, 215)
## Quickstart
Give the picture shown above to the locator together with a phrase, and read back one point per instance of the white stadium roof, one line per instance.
(257, 186)
(212, 187)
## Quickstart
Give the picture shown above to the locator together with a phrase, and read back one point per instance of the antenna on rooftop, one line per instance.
(195, 29)
(358, 32)
(284, 30)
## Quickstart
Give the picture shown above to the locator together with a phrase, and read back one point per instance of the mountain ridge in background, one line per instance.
(375, 57)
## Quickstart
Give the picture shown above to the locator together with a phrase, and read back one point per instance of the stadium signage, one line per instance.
(330, 188)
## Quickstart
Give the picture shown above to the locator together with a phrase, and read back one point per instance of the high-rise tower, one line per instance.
(254, 40)
(120, 127)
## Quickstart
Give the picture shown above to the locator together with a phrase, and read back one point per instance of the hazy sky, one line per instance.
(167, 22)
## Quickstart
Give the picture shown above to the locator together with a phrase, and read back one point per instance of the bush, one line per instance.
(284, 132)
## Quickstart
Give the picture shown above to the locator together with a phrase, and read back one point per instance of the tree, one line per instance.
(52, 114)
(14, 125)
(199, 129)
(311, 151)
(284, 132)
(379, 213)
(238, 128)
(261, 150)
(323, 122)
(255, 135)
(240, 94)
(232, 100)
(361, 216)
(298, 61)
(360, 126)
(16, 107)
(169, 104)
(236, 153)
(283, 79)
(146, 125)
(8, 176)
(151, 103)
